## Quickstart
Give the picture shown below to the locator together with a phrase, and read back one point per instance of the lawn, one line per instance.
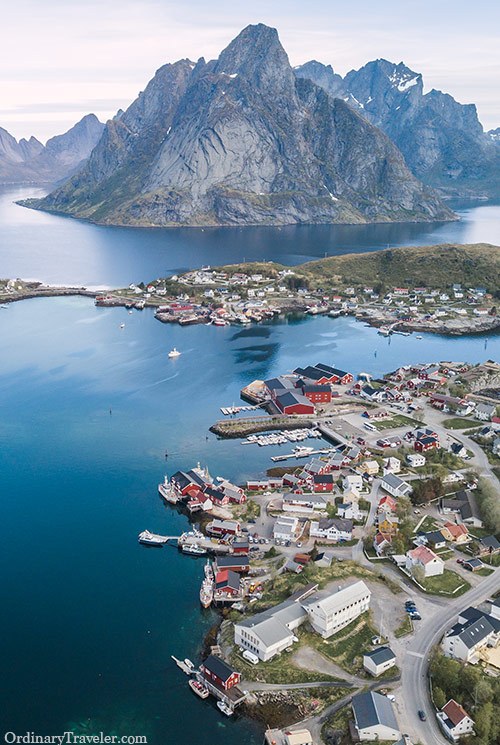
(394, 422)
(428, 524)
(346, 647)
(278, 670)
(485, 571)
(405, 628)
(460, 423)
(493, 560)
(448, 583)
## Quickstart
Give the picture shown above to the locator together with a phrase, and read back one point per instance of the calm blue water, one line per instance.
(90, 618)
(34, 245)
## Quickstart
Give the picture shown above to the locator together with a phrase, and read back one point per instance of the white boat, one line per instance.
(418, 336)
(225, 708)
(206, 592)
(198, 688)
(151, 539)
(174, 353)
(192, 549)
(188, 663)
(167, 491)
(122, 325)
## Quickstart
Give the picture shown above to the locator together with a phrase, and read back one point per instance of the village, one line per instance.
(364, 564)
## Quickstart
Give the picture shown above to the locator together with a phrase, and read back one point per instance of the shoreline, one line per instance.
(30, 290)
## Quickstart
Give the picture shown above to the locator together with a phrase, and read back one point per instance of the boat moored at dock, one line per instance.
(198, 688)
(222, 706)
(152, 539)
(167, 491)
(193, 549)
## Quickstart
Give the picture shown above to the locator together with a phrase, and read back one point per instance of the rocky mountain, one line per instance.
(495, 135)
(442, 140)
(242, 140)
(30, 161)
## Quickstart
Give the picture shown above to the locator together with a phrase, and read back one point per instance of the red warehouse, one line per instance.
(317, 394)
(294, 403)
(219, 673)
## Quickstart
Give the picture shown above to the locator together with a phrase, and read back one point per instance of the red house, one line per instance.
(317, 394)
(294, 403)
(426, 443)
(323, 482)
(240, 546)
(227, 583)
(217, 672)
(224, 527)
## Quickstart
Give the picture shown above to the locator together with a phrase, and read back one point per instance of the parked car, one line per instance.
(460, 561)
(421, 715)
(299, 544)
(415, 616)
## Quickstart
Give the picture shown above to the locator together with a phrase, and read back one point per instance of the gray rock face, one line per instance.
(442, 141)
(242, 140)
(30, 161)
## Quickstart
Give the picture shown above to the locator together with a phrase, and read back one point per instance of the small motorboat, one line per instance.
(188, 663)
(198, 688)
(222, 706)
(174, 353)
(122, 325)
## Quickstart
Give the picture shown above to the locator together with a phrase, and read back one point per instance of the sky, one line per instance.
(61, 59)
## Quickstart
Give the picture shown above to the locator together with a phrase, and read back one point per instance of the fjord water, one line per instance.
(58, 250)
(87, 409)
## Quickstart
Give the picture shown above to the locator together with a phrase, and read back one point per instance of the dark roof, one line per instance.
(435, 536)
(225, 562)
(218, 667)
(228, 579)
(371, 709)
(316, 388)
(427, 440)
(313, 373)
(469, 507)
(473, 563)
(332, 370)
(183, 479)
(325, 523)
(472, 632)
(323, 478)
(489, 541)
(277, 383)
(380, 655)
(214, 493)
(290, 399)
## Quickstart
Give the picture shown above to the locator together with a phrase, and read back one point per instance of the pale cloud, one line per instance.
(98, 55)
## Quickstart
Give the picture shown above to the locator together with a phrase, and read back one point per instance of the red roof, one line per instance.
(422, 554)
(454, 712)
(455, 529)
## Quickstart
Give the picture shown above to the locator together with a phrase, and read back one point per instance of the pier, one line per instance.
(323, 451)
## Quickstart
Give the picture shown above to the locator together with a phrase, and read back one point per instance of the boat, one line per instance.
(122, 325)
(209, 574)
(188, 663)
(225, 708)
(174, 353)
(418, 336)
(206, 593)
(167, 491)
(193, 549)
(301, 451)
(151, 539)
(219, 322)
(198, 688)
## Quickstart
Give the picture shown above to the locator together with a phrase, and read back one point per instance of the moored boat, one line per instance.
(167, 491)
(151, 539)
(198, 688)
(174, 353)
(193, 549)
(222, 706)
(206, 593)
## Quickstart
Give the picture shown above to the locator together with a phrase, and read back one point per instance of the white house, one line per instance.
(349, 510)
(484, 412)
(391, 465)
(305, 503)
(331, 529)
(378, 661)
(330, 612)
(374, 717)
(496, 446)
(415, 460)
(270, 632)
(352, 481)
(426, 559)
(455, 721)
(285, 528)
(395, 486)
(473, 631)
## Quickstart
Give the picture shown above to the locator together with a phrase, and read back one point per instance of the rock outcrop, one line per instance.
(241, 140)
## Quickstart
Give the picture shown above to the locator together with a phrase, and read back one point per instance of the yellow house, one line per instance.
(388, 524)
(455, 532)
(371, 467)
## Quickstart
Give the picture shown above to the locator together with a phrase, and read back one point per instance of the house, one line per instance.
(323, 482)
(236, 563)
(285, 528)
(485, 412)
(382, 543)
(304, 502)
(423, 557)
(455, 532)
(374, 717)
(388, 523)
(324, 559)
(219, 673)
(467, 507)
(224, 527)
(378, 661)
(187, 482)
(270, 632)
(488, 544)
(216, 495)
(294, 403)
(473, 631)
(240, 546)
(426, 443)
(415, 460)
(395, 486)
(349, 510)
(458, 449)
(369, 467)
(331, 529)
(473, 565)
(454, 721)
(352, 481)
(435, 539)
(391, 465)
(337, 376)
(227, 583)
(387, 504)
(277, 386)
(329, 612)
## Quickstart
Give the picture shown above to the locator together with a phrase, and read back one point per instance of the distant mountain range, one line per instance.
(443, 142)
(243, 140)
(29, 161)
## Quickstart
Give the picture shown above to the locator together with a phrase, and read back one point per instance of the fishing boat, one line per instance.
(151, 539)
(193, 549)
(198, 688)
(222, 706)
(167, 491)
(219, 322)
(174, 353)
(206, 593)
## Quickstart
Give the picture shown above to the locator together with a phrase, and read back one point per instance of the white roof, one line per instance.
(337, 600)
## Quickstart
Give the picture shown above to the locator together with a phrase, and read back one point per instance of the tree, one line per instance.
(439, 697)
(483, 721)
(418, 574)
(489, 503)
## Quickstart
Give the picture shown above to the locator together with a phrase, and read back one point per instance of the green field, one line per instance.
(394, 422)
(460, 423)
(448, 583)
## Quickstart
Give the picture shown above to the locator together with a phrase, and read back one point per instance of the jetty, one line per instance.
(182, 665)
(299, 454)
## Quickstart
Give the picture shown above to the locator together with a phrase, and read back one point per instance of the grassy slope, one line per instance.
(418, 266)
